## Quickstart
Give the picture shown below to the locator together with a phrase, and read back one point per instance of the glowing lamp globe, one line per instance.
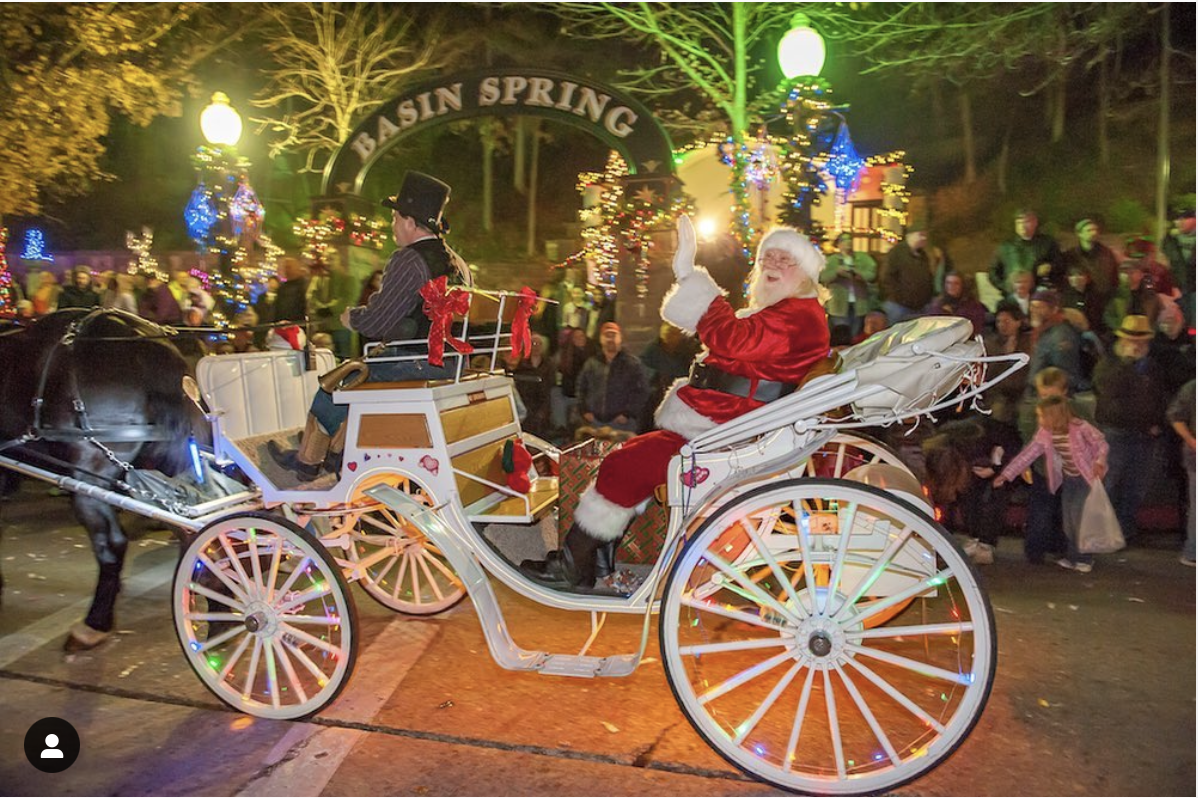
(801, 51)
(220, 124)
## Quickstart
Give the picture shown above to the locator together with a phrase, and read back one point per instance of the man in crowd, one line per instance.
(612, 387)
(907, 281)
(1130, 411)
(395, 312)
(1029, 250)
(1178, 248)
(79, 292)
(751, 359)
(1096, 258)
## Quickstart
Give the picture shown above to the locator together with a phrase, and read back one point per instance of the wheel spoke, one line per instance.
(868, 714)
(403, 570)
(842, 548)
(768, 557)
(883, 561)
(235, 560)
(834, 726)
(289, 671)
(252, 673)
(382, 577)
(898, 696)
(300, 634)
(212, 595)
(735, 645)
(922, 668)
(237, 590)
(838, 469)
(760, 596)
(736, 615)
(800, 715)
(235, 658)
(421, 558)
(228, 634)
(196, 617)
(960, 627)
(318, 590)
(415, 578)
(435, 558)
(294, 575)
(314, 620)
(873, 608)
(804, 538)
(276, 557)
(255, 565)
(744, 676)
(306, 661)
(272, 676)
(747, 727)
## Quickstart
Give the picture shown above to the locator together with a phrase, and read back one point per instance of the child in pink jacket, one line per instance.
(1075, 458)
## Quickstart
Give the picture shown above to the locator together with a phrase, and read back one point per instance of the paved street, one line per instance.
(1095, 693)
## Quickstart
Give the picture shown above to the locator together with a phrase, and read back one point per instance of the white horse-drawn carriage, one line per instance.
(818, 628)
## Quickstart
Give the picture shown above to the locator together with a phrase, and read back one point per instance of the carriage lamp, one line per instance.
(220, 123)
(801, 51)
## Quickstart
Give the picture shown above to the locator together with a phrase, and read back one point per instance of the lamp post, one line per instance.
(223, 216)
(801, 51)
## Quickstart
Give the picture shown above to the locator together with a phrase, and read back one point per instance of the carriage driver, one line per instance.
(395, 312)
(751, 357)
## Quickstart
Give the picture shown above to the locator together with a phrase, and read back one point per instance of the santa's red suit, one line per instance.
(774, 343)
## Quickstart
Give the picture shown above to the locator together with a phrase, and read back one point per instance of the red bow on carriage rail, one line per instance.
(521, 336)
(440, 305)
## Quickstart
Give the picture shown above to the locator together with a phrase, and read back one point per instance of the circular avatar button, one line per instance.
(52, 745)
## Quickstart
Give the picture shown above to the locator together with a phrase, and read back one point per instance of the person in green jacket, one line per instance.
(851, 279)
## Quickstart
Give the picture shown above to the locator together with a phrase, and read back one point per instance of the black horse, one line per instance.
(112, 374)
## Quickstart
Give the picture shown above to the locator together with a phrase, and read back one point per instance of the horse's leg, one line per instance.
(109, 544)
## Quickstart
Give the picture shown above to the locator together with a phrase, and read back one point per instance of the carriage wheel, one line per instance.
(846, 451)
(400, 568)
(265, 617)
(785, 677)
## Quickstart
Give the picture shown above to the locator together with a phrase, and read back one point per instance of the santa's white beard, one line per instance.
(763, 293)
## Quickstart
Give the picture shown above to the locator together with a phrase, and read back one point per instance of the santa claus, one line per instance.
(750, 357)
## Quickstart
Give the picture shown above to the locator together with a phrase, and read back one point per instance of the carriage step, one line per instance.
(588, 667)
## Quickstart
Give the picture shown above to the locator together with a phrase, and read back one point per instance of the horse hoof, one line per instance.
(83, 638)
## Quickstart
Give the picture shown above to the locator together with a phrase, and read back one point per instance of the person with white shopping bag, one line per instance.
(1075, 455)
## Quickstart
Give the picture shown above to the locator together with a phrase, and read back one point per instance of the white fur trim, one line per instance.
(687, 301)
(601, 518)
(677, 416)
(799, 246)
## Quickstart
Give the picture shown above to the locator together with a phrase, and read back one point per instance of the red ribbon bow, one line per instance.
(521, 336)
(441, 304)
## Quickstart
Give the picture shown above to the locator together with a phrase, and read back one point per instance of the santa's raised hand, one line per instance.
(684, 258)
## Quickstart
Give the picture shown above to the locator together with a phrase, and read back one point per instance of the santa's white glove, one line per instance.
(684, 258)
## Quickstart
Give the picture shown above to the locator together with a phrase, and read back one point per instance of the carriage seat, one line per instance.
(259, 393)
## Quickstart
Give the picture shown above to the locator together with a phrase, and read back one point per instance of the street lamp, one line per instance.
(801, 51)
(220, 123)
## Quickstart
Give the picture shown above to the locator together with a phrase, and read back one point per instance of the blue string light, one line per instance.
(200, 214)
(844, 163)
(35, 246)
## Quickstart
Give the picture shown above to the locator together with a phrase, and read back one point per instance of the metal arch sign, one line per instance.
(619, 121)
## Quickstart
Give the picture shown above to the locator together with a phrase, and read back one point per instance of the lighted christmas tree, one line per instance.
(8, 294)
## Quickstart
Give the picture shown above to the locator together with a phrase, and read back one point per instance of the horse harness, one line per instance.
(85, 431)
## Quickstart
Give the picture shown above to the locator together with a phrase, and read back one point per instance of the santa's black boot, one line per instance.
(605, 559)
(570, 567)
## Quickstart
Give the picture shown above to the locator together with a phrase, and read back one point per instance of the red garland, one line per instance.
(440, 305)
(521, 335)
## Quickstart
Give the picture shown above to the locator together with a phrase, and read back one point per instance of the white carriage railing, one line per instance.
(492, 344)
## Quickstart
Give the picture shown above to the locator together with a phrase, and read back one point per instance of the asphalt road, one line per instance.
(1095, 693)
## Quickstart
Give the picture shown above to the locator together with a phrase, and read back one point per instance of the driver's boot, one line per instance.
(336, 452)
(306, 461)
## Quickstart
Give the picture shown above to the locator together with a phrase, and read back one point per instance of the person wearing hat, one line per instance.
(613, 385)
(851, 278)
(394, 313)
(1055, 343)
(908, 279)
(1134, 296)
(1028, 250)
(751, 357)
(1178, 249)
(1095, 258)
(1130, 411)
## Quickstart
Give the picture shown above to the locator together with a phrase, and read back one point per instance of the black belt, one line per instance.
(713, 379)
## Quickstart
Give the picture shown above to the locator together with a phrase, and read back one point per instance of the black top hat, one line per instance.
(421, 198)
